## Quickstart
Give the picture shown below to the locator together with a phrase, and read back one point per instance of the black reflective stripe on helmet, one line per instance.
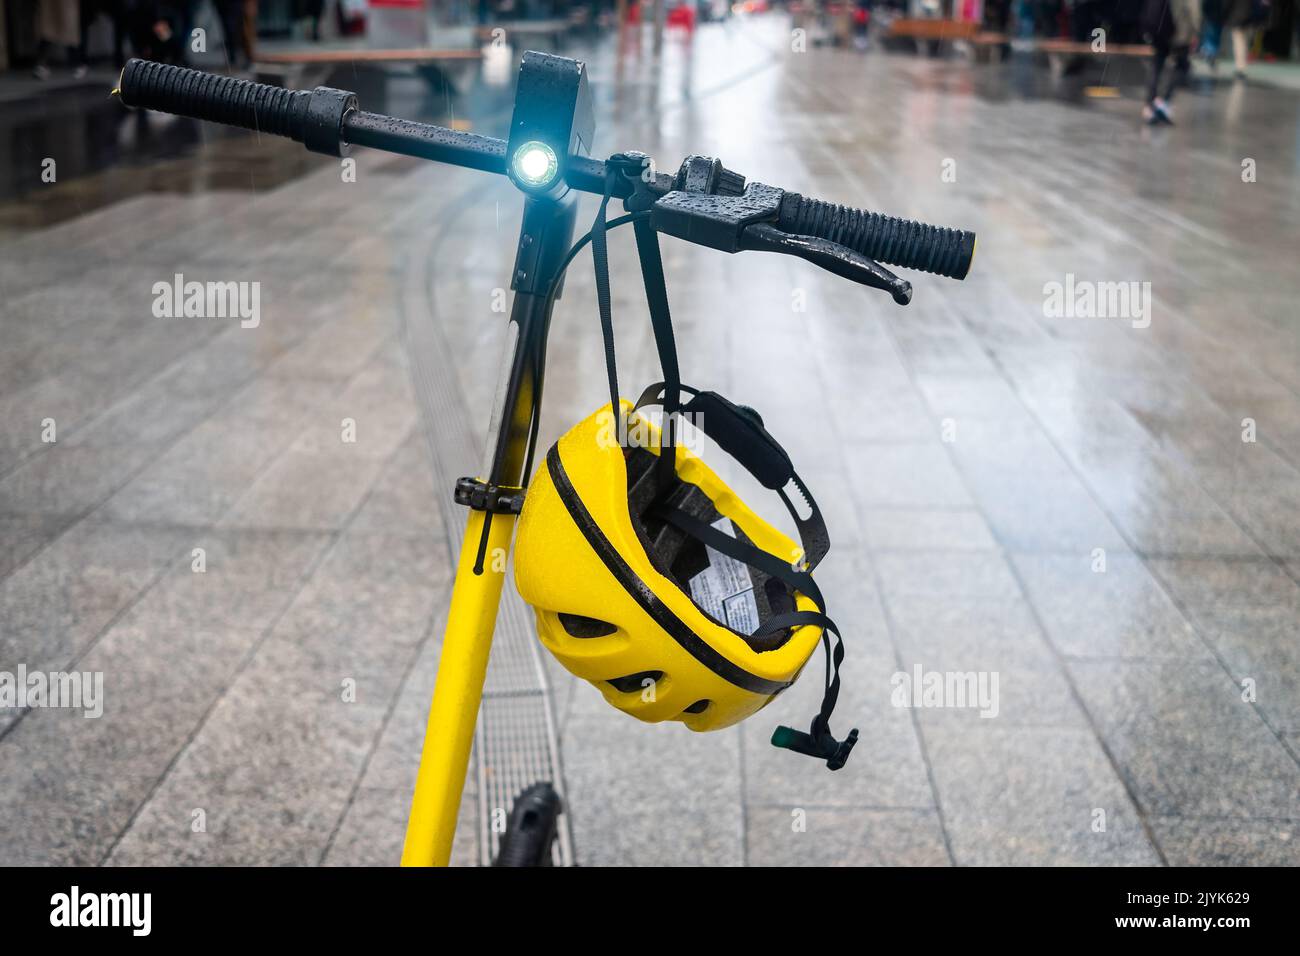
(642, 593)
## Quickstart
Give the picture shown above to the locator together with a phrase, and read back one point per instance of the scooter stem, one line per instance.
(462, 669)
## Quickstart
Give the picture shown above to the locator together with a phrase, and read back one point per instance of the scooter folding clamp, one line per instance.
(485, 496)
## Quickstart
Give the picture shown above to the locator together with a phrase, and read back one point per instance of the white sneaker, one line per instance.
(80, 71)
(41, 72)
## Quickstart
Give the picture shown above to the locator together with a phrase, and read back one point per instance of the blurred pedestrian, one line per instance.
(1125, 23)
(250, 30)
(1211, 32)
(1277, 34)
(154, 28)
(232, 31)
(862, 23)
(184, 12)
(1024, 19)
(996, 16)
(311, 10)
(116, 13)
(58, 24)
(1172, 27)
(1086, 17)
(1241, 19)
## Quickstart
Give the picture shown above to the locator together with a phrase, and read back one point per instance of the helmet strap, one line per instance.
(739, 431)
(820, 742)
(656, 290)
(652, 275)
(600, 258)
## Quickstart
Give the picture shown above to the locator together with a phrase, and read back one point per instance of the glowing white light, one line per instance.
(535, 163)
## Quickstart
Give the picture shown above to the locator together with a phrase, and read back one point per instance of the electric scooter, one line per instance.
(547, 157)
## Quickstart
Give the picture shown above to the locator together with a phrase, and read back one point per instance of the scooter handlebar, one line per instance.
(314, 118)
(886, 239)
(327, 120)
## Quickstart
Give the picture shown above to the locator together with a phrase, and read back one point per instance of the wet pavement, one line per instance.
(105, 153)
(1101, 510)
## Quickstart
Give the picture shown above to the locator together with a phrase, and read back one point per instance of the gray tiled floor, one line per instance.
(1066, 503)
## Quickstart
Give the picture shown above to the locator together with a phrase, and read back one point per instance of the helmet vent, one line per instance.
(699, 707)
(634, 683)
(579, 626)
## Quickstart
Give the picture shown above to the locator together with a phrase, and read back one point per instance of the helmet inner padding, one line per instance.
(679, 556)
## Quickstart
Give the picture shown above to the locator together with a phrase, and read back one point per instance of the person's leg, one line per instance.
(1179, 74)
(249, 26)
(1212, 38)
(174, 48)
(231, 13)
(87, 12)
(1153, 109)
(1240, 49)
(117, 10)
(235, 30)
(42, 68)
(1157, 67)
(184, 26)
(139, 28)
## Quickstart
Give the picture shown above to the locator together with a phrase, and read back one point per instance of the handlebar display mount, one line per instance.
(552, 121)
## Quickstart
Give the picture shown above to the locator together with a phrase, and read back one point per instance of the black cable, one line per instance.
(604, 302)
(539, 374)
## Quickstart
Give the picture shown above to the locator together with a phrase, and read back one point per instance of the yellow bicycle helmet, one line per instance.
(649, 577)
(671, 595)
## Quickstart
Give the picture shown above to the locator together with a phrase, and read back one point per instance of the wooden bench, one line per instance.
(933, 29)
(986, 42)
(1084, 47)
(935, 32)
(1060, 53)
(301, 68)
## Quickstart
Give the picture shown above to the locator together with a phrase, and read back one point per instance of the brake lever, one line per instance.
(831, 256)
(714, 207)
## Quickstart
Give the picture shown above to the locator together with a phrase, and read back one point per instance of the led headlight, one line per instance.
(535, 164)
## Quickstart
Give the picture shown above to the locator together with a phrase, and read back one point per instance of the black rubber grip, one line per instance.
(218, 99)
(889, 240)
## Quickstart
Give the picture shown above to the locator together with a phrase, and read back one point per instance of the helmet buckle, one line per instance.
(822, 745)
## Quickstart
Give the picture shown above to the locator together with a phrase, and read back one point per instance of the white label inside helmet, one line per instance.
(725, 590)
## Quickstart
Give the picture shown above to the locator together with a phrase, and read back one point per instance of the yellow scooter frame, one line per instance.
(462, 668)
(547, 232)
